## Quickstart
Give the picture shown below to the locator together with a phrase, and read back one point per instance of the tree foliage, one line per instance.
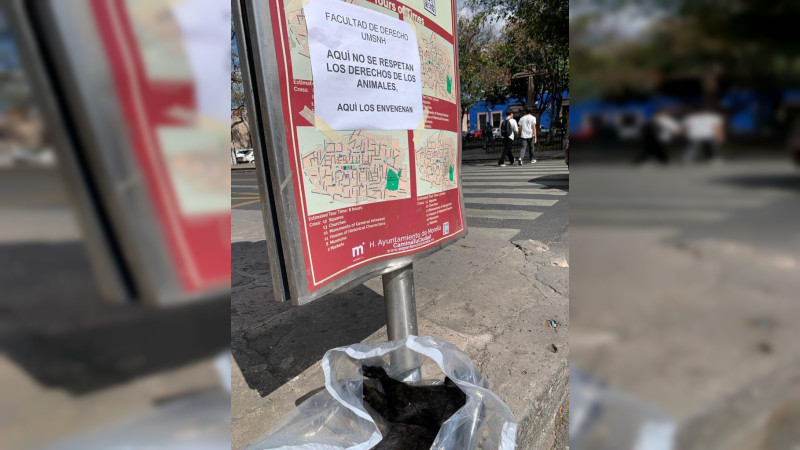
(534, 38)
(237, 82)
(240, 127)
(480, 75)
(750, 41)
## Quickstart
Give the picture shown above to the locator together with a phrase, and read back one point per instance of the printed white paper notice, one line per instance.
(365, 66)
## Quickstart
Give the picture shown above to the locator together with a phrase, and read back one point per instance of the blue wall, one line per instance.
(579, 111)
(483, 107)
(745, 109)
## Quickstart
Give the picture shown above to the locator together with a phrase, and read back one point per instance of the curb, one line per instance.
(241, 167)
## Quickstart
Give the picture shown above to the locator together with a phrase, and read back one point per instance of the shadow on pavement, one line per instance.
(784, 182)
(54, 325)
(274, 342)
(560, 181)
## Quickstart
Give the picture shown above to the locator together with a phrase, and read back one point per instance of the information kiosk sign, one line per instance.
(356, 104)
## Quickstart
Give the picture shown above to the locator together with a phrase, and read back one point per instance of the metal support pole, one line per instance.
(401, 318)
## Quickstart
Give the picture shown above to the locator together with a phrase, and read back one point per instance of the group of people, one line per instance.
(703, 129)
(525, 130)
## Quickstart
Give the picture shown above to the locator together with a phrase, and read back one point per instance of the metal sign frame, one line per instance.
(262, 82)
(63, 55)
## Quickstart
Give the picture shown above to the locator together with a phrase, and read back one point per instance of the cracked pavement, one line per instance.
(492, 294)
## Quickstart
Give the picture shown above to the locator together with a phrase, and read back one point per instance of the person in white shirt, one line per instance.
(704, 130)
(527, 132)
(508, 128)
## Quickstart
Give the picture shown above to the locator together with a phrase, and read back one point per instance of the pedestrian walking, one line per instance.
(508, 128)
(656, 134)
(527, 132)
(704, 131)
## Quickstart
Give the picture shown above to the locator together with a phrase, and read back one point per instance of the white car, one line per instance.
(33, 157)
(245, 155)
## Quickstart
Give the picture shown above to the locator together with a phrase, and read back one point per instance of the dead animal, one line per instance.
(414, 413)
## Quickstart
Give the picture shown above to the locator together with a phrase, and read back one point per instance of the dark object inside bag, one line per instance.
(414, 414)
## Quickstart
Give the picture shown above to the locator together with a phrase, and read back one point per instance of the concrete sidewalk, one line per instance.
(492, 298)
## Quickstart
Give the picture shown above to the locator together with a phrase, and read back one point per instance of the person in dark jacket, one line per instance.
(508, 129)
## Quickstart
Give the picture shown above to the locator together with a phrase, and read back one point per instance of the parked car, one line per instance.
(32, 157)
(476, 134)
(245, 155)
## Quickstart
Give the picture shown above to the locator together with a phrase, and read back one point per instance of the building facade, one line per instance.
(482, 113)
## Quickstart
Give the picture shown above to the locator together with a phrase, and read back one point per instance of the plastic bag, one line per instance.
(604, 419)
(336, 418)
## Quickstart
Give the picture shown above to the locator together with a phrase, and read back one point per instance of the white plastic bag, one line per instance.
(336, 418)
(601, 418)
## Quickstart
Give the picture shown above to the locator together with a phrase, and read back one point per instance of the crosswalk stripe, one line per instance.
(512, 191)
(515, 172)
(543, 163)
(511, 174)
(511, 201)
(502, 213)
(514, 169)
(524, 166)
(630, 215)
(519, 183)
(667, 202)
(590, 196)
(522, 179)
(514, 176)
(525, 178)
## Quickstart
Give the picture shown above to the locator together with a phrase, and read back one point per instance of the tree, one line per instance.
(240, 127)
(237, 83)
(535, 39)
(721, 47)
(480, 75)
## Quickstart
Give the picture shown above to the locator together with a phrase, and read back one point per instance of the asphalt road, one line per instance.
(31, 188)
(244, 191)
(84, 363)
(683, 285)
(533, 198)
(754, 203)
